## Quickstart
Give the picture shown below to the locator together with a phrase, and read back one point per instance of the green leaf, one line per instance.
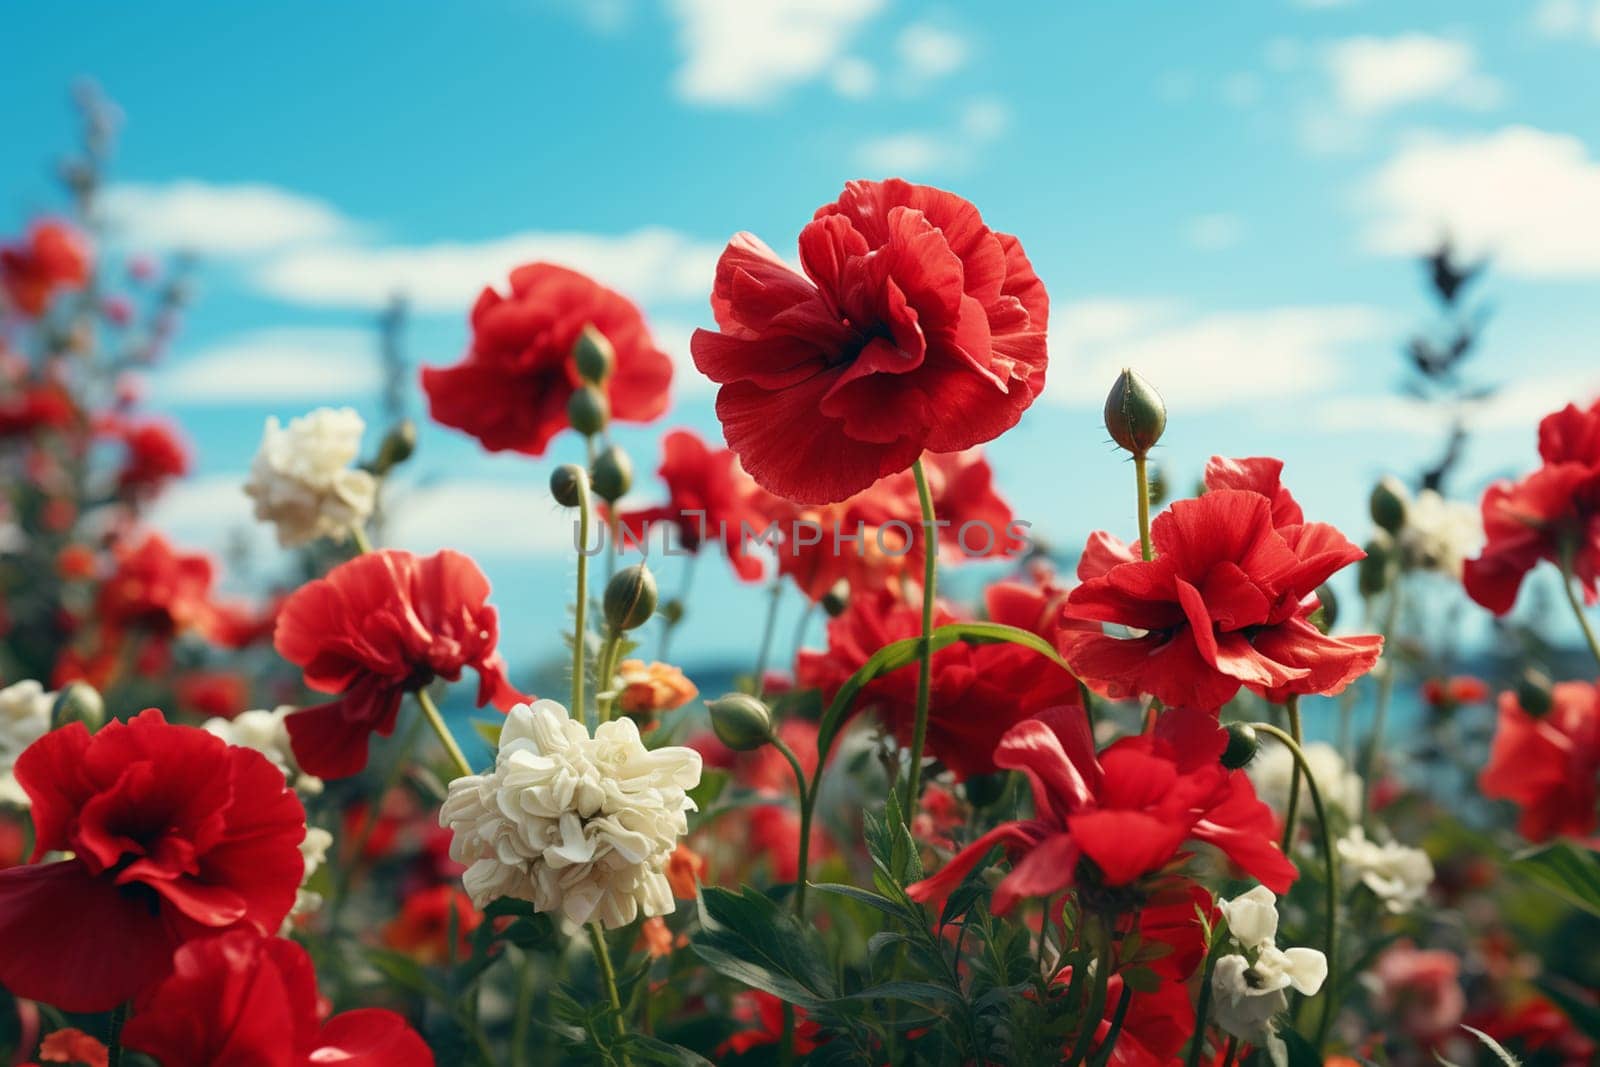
(646, 1049)
(748, 938)
(1585, 1016)
(489, 730)
(863, 896)
(1570, 872)
(1493, 1046)
(925, 994)
(712, 783)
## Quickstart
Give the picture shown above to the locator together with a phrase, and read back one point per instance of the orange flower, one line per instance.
(651, 688)
(75, 562)
(422, 929)
(656, 937)
(69, 1045)
(685, 869)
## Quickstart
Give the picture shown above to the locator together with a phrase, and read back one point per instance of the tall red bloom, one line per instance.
(914, 328)
(377, 627)
(174, 835)
(1548, 765)
(710, 497)
(159, 593)
(240, 999)
(53, 256)
(155, 455)
(978, 692)
(511, 389)
(874, 539)
(1119, 816)
(1551, 513)
(1225, 603)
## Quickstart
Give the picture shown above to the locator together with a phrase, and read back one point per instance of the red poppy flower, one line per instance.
(914, 328)
(174, 835)
(884, 526)
(1548, 765)
(978, 691)
(1257, 474)
(422, 929)
(156, 455)
(1156, 1027)
(37, 407)
(223, 694)
(1119, 816)
(377, 627)
(1226, 602)
(511, 390)
(1447, 694)
(710, 497)
(762, 1017)
(1554, 511)
(238, 999)
(157, 591)
(53, 256)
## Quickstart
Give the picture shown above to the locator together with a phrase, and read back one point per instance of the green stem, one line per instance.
(759, 682)
(1202, 1011)
(430, 711)
(1330, 942)
(524, 1011)
(1292, 809)
(391, 778)
(580, 623)
(1096, 1009)
(1232, 1053)
(930, 578)
(1380, 711)
(1142, 477)
(359, 536)
(605, 675)
(1567, 554)
(805, 822)
(119, 1019)
(1109, 1045)
(608, 976)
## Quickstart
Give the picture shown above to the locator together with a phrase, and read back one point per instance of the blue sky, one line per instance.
(1223, 197)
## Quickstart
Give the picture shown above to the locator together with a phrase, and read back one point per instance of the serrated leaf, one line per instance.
(748, 938)
(925, 994)
(863, 896)
(643, 1048)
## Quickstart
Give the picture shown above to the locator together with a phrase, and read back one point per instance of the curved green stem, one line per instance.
(430, 711)
(580, 622)
(1109, 1045)
(605, 675)
(1577, 606)
(930, 578)
(1380, 711)
(1292, 808)
(1330, 860)
(1141, 477)
(805, 822)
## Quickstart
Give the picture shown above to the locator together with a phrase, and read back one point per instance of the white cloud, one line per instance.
(218, 220)
(211, 513)
(277, 366)
(1241, 89)
(1206, 360)
(480, 517)
(853, 78)
(1520, 404)
(1528, 197)
(917, 152)
(1571, 19)
(672, 336)
(930, 51)
(649, 264)
(1215, 231)
(1374, 75)
(744, 53)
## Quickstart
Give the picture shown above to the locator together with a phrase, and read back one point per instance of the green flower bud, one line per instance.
(630, 598)
(588, 410)
(984, 790)
(741, 721)
(593, 354)
(1327, 614)
(399, 444)
(1388, 504)
(566, 481)
(79, 702)
(612, 473)
(1372, 573)
(836, 599)
(672, 611)
(1135, 415)
(1242, 745)
(1534, 692)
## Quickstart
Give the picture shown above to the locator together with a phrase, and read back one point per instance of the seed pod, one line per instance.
(612, 473)
(1326, 617)
(79, 702)
(630, 598)
(1534, 692)
(566, 481)
(1388, 504)
(741, 721)
(1242, 745)
(399, 445)
(593, 354)
(588, 410)
(1135, 414)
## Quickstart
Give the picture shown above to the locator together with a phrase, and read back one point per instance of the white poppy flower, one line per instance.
(1253, 917)
(24, 718)
(302, 481)
(1270, 772)
(1397, 875)
(1239, 1005)
(577, 825)
(265, 732)
(313, 854)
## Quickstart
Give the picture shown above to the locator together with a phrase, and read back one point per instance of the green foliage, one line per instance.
(1565, 869)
